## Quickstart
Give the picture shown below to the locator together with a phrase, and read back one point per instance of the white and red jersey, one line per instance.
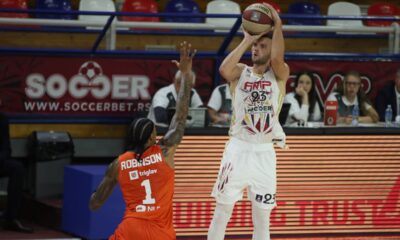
(256, 102)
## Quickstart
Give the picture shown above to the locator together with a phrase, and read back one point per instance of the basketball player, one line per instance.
(249, 160)
(145, 172)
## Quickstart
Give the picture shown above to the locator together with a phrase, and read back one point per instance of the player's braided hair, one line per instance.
(139, 132)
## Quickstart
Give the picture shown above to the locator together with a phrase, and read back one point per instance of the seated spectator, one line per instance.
(303, 101)
(350, 93)
(14, 170)
(164, 102)
(389, 95)
(220, 105)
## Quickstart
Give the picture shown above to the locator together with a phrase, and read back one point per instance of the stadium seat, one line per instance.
(222, 7)
(96, 5)
(344, 9)
(273, 4)
(18, 4)
(382, 9)
(305, 8)
(182, 6)
(62, 5)
(140, 6)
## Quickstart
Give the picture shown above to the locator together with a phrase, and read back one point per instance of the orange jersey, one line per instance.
(147, 187)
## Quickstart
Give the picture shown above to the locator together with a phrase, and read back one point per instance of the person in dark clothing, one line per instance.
(14, 170)
(389, 95)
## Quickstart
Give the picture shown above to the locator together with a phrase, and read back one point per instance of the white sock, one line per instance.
(261, 223)
(222, 214)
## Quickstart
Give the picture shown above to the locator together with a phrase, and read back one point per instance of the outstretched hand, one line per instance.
(186, 57)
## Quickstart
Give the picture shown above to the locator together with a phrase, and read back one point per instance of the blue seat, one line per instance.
(182, 6)
(305, 8)
(62, 5)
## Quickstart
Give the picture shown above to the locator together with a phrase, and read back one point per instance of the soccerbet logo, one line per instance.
(89, 81)
(91, 70)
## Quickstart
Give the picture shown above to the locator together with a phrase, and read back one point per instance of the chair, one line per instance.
(222, 7)
(344, 9)
(382, 9)
(273, 4)
(18, 4)
(62, 5)
(140, 6)
(182, 6)
(96, 5)
(305, 8)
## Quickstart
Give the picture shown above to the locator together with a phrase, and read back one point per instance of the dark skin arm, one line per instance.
(106, 186)
(176, 129)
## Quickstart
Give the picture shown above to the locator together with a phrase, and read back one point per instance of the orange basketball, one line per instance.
(257, 18)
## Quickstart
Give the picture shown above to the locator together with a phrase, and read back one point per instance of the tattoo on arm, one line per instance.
(106, 186)
(177, 127)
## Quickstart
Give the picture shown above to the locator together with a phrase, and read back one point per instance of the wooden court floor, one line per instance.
(46, 233)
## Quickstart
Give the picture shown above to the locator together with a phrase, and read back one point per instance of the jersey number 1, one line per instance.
(147, 188)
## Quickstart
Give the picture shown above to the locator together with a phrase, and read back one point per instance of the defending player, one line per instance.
(145, 172)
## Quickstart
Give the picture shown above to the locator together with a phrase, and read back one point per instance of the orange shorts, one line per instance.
(132, 228)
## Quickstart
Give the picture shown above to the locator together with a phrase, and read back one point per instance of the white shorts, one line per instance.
(247, 165)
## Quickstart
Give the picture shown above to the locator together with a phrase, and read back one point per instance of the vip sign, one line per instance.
(325, 87)
(89, 81)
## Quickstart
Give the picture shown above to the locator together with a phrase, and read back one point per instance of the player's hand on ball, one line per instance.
(275, 16)
(252, 38)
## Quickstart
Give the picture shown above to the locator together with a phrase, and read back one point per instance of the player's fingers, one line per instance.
(268, 5)
(189, 50)
(193, 53)
(260, 35)
(184, 48)
(181, 49)
(175, 62)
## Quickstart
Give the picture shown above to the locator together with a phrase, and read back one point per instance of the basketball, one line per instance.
(257, 18)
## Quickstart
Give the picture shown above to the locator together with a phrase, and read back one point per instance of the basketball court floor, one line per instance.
(51, 234)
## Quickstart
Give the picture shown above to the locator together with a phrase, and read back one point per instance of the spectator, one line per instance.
(350, 93)
(389, 95)
(164, 102)
(14, 170)
(303, 101)
(220, 105)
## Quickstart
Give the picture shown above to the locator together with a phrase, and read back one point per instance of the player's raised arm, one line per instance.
(177, 127)
(281, 69)
(230, 68)
(106, 186)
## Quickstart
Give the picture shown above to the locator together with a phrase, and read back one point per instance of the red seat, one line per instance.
(382, 9)
(18, 4)
(141, 6)
(272, 3)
